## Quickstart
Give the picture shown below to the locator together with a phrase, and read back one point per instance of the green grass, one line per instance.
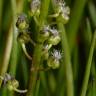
(76, 75)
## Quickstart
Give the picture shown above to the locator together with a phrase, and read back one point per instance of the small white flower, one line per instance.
(53, 60)
(46, 28)
(54, 38)
(64, 10)
(22, 22)
(56, 54)
(35, 5)
(22, 17)
(47, 47)
(6, 78)
(54, 32)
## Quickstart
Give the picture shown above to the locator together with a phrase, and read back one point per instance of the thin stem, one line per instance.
(33, 74)
(14, 46)
(32, 42)
(74, 21)
(1, 7)
(37, 88)
(25, 51)
(6, 56)
(66, 56)
(92, 12)
(88, 67)
(75, 63)
(13, 60)
(38, 50)
(66, 60)
(20, 91)
(40, 69)
(43, 80)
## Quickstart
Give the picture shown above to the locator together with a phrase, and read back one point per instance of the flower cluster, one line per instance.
(11, 83)
(61, 11)
(47, 35)
(64, 10)
(23, 25)
(23, 32)
(53, 39)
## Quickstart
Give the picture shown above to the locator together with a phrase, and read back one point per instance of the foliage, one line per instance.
(47, 47)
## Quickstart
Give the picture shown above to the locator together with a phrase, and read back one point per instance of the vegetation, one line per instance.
(47, 47)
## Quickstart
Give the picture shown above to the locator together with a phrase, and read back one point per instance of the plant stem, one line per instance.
(75, 63)
(92, 12)
(66, 59)
(88, 67)
(13, 60)
(66, 56)
(1, 7)
(15, 49)
(37, 88)
(38, 50)
(6, 56)
(33, 74)
(74, 21)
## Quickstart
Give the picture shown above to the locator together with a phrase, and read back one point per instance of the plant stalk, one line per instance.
(74, 21)
(38, 50)
(88, 67)
(6, 56)
(66, 60)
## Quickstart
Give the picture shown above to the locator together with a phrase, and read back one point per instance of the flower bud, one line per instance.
(44, 34)
(35, 7)
(23, 37)
(22, 22)
(54, 59)
(12, 84)
(62, 11)
(53, 63)
(54, 40)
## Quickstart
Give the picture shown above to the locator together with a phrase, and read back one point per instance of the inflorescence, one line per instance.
(48, 35)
